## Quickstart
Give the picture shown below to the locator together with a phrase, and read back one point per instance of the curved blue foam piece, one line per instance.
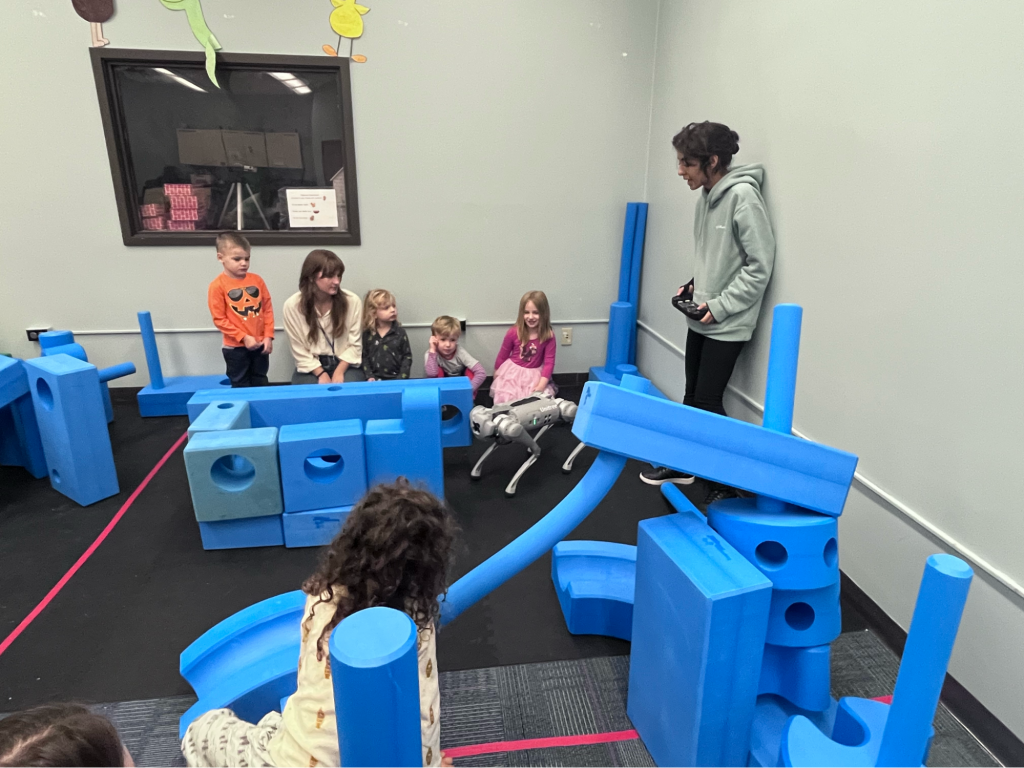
(246, 659)
(871, 733)
(548, 531)
(794, 548)
(801, 675)
(595, 583)
(376, 688)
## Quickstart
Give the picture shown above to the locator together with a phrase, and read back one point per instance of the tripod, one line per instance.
(235, 195)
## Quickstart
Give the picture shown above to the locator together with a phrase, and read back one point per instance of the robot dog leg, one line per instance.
(513, 422)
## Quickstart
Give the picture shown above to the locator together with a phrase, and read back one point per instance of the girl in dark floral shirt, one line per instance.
(386, 350)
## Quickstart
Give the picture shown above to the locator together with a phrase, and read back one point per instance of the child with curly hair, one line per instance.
(386, 350)
(394, 550)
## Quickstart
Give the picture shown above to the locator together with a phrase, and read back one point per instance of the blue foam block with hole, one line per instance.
(805, 617)
(410, 446)
(801, 675)
(20, 443)
(63, 343)
(220, 415)
(304, 403)
(72, 427)
(323, 464)
(234, 474)
(242, 533)
(700, 616)
(173, 398)
(314, 527)
(715, 447)
(595, 581)
(794, 548)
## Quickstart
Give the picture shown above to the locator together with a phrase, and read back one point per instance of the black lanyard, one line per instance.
(327, 338)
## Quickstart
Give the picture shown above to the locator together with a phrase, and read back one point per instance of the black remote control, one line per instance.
(688, 308)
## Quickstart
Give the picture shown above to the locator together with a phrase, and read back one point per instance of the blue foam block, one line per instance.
(598, 373)
(242, 533)
(234, 474)
(595, 581)
(314, 527)
(13, 380)
(73, 428)
(377, 688)
(221, 415)
(305, 403)
(699, 621)
(410, 446)
(63, 343)
(805, 617)
(246, 657)
(795, 549)
(322, 464)
(770, 717)
(20, 443)
(801, 675)
(173, 398)
(715, 447)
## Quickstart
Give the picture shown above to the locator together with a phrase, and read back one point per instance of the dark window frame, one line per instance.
(119, 153)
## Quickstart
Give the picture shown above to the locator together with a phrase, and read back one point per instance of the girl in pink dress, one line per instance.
(527, 356)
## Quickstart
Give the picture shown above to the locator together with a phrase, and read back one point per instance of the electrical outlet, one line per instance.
(33, 333)
(567, 336)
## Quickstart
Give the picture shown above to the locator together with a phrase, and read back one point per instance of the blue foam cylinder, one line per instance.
(376, 688)
(795, 549)
(621, 320)
(156, 374)
(783, 357)
(800, 618)
(626, 259)
(940, 605)
(116, 371)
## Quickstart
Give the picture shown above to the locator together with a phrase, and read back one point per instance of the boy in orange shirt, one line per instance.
(240, 304)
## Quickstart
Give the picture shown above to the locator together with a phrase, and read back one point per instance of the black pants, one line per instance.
(709, 364)
(246, 368)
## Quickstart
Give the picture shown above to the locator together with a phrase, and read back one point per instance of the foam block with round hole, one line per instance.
(323, 464)
(796, 549)
(72, 427)
(804, 617)
(234, 474)
(220, 415)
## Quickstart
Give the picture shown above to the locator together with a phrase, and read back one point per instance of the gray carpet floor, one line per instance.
(561, 698)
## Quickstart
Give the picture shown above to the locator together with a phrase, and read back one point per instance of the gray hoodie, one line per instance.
(735, 251)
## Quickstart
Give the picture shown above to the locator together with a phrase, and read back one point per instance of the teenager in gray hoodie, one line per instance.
(733, 257)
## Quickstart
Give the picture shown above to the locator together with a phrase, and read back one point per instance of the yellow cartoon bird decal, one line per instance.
(347, 21)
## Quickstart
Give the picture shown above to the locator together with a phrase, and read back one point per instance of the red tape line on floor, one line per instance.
(552, 741)
(88, 553)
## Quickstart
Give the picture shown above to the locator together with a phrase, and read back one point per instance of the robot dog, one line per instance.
(513, 422)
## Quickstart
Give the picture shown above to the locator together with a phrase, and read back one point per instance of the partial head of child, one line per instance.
(394, 550)
(445, 332)
(233, 252)
(380, 310)
(60, 734)
(534, 320)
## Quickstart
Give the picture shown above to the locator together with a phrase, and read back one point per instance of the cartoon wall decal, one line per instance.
(95, 12)
(194, 11)
(347, 21)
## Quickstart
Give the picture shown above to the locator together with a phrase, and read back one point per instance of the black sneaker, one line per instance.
(661, 475)
(717, 492)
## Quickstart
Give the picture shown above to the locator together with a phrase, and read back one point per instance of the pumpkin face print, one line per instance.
(245, 302)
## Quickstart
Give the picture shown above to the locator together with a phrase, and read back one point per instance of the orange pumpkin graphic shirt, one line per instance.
(241, 308)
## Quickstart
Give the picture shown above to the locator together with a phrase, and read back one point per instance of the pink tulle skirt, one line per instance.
(513, 382)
